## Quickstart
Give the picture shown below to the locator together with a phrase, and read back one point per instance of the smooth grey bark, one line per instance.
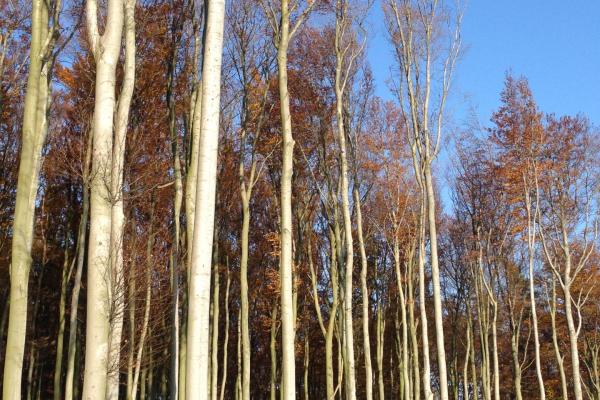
(200, 274)
(37, 98)
(117, 283)
(106, 49)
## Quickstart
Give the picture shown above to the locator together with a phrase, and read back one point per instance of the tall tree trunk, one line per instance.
(426, 373)
(146, 320)
(558, 355)
(465, 372)
(288, 373)
(244, 288)
(531, 238)
(214, 364)
(117, 283)
(33, 137)
(380, 344)
(106, 49)
(340, 83)
(273, 349)
(404, 366)
(435, 281)
(365, 299)
(226, 339)
(64, 281)
(81, 246)
(199, 282)
(306, 365)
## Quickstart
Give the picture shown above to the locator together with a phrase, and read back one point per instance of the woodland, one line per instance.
(210, 200)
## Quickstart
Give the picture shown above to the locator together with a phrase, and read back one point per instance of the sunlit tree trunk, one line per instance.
(288, 373)
(117, 282)
(226, 339)
(559, 358)
(214, 370)
(200, 274)
(365, 299)
(531, 239)
(404, 366)
(106, 49)
(34, 130)
(273, 350)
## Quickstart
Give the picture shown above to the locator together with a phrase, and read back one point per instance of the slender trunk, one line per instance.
(306, 364)
(33, 137)
(146, 320)
(116, 289)
(288, 373)
(66, 273)
(495, 351)
(30, 370)
(516, 366)
(177, 202)
(81, 246)
(426, 373)
(573, 335)
(244, 289)
(215, 333)
(404, 341)
(559, 357)
(238, 379)
(435, 280)
(365, 299)
(132, 330)
(413, 331)
(465, 372)
(349, 246)
(568, 302)
(273, 349)
(200, 274)
(380, 339)
(226, 339)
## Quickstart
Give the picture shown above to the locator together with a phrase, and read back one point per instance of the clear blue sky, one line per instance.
(554, 43)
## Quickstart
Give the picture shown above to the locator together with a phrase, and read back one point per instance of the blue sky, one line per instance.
(554, 43)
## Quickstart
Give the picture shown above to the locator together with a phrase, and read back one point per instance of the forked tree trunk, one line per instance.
(106, 49)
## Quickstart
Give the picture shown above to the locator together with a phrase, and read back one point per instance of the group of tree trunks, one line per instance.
(184, 186)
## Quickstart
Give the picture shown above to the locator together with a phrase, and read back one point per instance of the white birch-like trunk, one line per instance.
(288, 372)
(200, 273)
(117, 282)
(106, 50)
(33, 137)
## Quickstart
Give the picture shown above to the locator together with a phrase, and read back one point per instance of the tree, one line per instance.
(200, 273)
(44, 35)
(106, 49)
(413, 28)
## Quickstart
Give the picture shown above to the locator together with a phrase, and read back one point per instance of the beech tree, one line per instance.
(246, 232)
(42, 55)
